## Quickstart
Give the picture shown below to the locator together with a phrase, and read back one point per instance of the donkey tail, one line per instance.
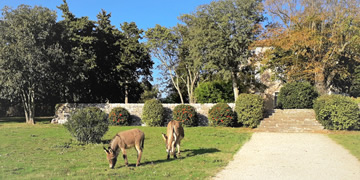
(142, 143)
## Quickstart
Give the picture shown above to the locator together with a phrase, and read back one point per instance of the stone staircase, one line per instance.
(291, 120)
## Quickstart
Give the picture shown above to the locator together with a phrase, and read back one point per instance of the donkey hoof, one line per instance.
(175, 156)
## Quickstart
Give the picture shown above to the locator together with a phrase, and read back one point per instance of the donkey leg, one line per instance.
(139, 151)
(125, 156)
(178, 149)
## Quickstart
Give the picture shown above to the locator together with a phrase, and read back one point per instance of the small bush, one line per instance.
(214, 92)
(337, 112)
(119, 116)
(249, 109)
(153, 113)
(297, 95)
(185, 114)
(88, 125)
(221, 114)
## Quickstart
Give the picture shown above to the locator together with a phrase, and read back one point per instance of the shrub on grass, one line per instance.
(297, 95)
(337, 112)
(153, 113)
(119, 116)
(88, 125)
(185, 114)
(221, 114)
(249, 109)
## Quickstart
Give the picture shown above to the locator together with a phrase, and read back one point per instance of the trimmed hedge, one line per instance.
(185, 114)
(221, 114)
(88, 125)
(297, 95)
(249, 109)
(153, 113)
(337, 112)
(119, 116)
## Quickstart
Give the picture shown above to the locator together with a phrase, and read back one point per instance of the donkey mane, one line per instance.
(113, 143)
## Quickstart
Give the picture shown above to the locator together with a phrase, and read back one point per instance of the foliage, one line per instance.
(97, 55)
(119, 116)
(337, 112)
(297, 95)
(150, 92)
(221, 114)
(88, 125)
(355, 83)
(153, 113)
(203, 148)
(314, 41)
(214, 92)
(221, 33)
(163, 44)
(27, 53)
(186, 114)
(249, 109)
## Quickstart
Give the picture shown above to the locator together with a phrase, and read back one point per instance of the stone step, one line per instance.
(291, 120)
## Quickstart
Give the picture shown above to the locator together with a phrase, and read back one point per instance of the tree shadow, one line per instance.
(195, 152)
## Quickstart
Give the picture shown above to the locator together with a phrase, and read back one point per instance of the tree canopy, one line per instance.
(317, 41)
(73, 60)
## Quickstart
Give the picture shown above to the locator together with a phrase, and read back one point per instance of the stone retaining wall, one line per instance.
(63, 111)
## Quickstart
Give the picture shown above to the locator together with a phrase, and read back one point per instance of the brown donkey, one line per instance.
(175, 133)
(122, 141)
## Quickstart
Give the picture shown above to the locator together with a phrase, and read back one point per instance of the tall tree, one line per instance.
(222, 32)
(135, 57)
(163, 44)
(314, 40)
(27, 53)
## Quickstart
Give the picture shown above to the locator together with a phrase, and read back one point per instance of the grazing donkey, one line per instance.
(175, 133)
(122, 141)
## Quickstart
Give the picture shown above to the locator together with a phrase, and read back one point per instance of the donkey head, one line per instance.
(169, 145)
(111, 157)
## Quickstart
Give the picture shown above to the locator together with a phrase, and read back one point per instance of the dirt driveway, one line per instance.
(291, 156)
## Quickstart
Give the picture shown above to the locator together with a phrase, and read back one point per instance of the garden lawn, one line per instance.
(348, 139)
(47, 151)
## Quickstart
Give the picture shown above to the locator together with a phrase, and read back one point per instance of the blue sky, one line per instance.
(145, 13)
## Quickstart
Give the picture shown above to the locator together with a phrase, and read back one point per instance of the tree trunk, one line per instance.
(126, 93)
(28, 100)
(235, 85)
(320, 82)
(190, 83)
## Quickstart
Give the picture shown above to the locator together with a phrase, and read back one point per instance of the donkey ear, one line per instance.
(107, 151)
(110, 150)
(164, 136)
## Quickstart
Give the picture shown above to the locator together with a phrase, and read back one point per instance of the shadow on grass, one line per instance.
(195, 152)
(41, 120)
(184, 154)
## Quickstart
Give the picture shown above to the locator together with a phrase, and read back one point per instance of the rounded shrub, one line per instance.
(153, 113)
(221, 114)
(249, 109)
(119, 116)
(337, 112)
(297, 95)
(185, 114)
(88, 125)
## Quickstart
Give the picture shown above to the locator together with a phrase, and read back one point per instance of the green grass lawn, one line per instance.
(47, 151)
(348, 139)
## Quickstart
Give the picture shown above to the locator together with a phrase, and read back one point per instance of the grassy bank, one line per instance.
(349, 140)
(46, 151)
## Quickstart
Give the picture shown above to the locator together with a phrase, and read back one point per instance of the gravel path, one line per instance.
(291, 156)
